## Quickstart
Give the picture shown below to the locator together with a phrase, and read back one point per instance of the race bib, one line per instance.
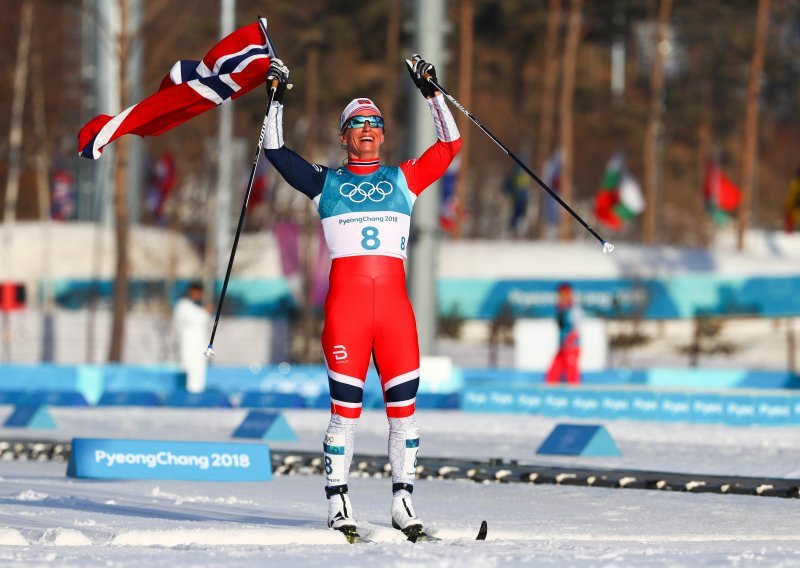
(384, 233)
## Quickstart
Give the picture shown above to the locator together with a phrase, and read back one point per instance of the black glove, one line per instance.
(418, 68)
(278, 72)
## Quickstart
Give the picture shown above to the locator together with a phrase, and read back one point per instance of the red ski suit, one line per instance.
(367, 310)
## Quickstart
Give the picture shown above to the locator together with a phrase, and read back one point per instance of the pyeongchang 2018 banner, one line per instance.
(233, 67)
(100, 458)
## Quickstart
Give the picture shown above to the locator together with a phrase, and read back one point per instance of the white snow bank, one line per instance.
(11, 537)
(233, 536)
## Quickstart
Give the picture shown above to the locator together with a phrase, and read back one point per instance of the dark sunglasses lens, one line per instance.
(359, 121)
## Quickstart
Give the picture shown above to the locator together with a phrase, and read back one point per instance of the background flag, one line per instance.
(63, 195)
(260, 189)
(722, 196)
(161, 183)
(619, 198)
(552, 177)
(792, 213)
(320, 271)
(287, 234)
(517, 185)
(448, 210)
(233, 67)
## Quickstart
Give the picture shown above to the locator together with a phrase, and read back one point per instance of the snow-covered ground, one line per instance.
(47, 518)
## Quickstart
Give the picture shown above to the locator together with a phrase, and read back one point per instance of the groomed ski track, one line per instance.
(48, 518)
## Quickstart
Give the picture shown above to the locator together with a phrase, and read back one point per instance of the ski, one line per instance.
(483, 531)
(415, 534)
(412, 535)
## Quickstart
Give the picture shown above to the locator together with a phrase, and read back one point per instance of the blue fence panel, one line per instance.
(258, 399)
(130, 398)
(207, 399)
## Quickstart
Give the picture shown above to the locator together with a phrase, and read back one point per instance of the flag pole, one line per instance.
(273, 89)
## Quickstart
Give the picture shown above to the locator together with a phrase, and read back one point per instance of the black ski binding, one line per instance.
(350, 532)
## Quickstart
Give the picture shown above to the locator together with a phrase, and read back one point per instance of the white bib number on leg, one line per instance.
(334, 449)
(410, 457)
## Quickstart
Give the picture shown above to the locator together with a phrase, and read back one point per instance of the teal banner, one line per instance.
(673, 298)
(484, 298)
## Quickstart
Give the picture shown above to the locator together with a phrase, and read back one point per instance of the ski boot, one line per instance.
(340, 512)
(405, 519)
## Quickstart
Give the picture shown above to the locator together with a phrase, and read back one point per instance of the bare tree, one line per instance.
(391, 76)
(467, 17)
(653, 128)
(121, 217)
(309, 224)
(544, 144)
(15, 150)
(566, 111)
(17, 112)
(750, 149)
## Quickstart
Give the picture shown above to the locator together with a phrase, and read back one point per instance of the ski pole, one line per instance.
(272, 90)
(607, 246)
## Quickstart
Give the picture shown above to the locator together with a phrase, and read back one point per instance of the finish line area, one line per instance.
(472, 466)
(488, 471)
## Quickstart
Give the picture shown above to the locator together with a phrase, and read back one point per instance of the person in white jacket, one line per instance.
(190, 321)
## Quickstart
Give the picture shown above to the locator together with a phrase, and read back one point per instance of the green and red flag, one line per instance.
(619, 198)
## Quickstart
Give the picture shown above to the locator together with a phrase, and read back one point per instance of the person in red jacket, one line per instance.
(566, 360)
(365, 208)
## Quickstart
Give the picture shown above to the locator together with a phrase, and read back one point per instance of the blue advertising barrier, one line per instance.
(322, 401)
(658, 377)
(735, 408)
(206, 399)
(643, 405)
(775, 410)
(30, 416)
(55, 398)
(129, 398)
(310, 383)
(579, 440)
(159, 379)
(438, 401)
(739, 410)
(11, 397)
(98, 458)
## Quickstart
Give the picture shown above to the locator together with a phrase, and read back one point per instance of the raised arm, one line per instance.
(303, 176)
(431, 165)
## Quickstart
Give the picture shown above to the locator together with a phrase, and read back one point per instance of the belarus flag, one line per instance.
(620, 197)
(234, 66)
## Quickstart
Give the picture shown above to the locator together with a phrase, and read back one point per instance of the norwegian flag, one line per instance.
(233, 67)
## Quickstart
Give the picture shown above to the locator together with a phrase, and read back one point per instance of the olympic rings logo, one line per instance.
(366, 190)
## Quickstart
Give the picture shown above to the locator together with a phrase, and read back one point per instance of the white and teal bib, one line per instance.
(366, 214)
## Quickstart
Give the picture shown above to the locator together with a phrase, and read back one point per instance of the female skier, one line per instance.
(365, 209)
